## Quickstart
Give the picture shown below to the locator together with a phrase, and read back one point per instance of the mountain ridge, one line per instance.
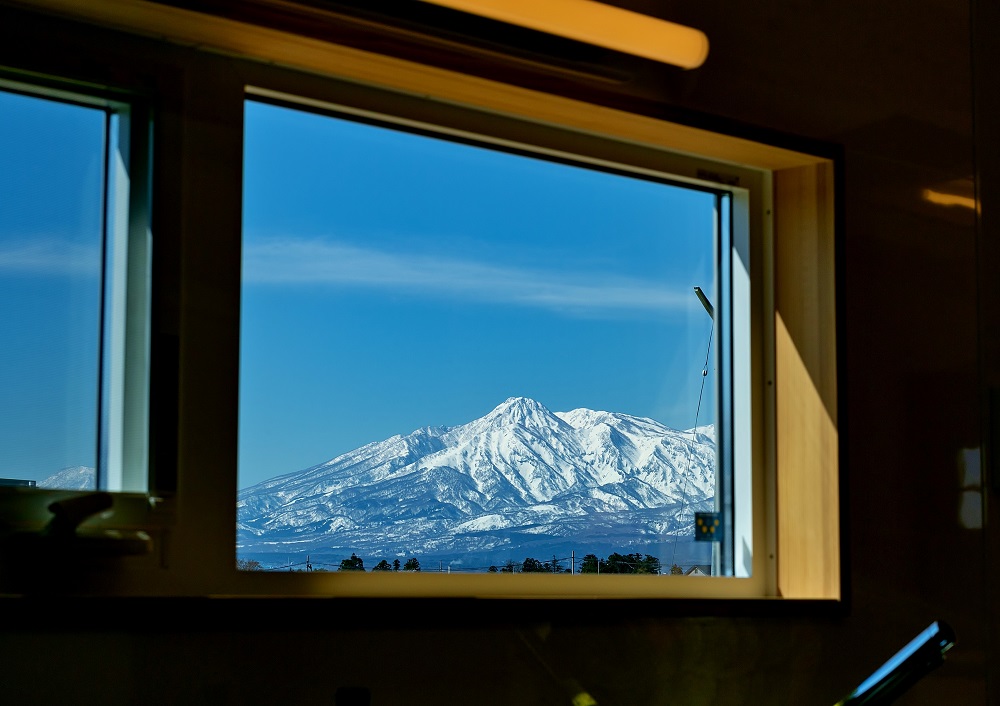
(519, 479)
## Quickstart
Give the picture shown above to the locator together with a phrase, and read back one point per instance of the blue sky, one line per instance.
(50, 235)
(393, 281)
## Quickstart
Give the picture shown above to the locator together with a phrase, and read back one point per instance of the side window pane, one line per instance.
(51, 226)
(457, 358)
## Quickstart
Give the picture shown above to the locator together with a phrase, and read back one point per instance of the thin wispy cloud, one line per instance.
(49, 257)
(315, 262)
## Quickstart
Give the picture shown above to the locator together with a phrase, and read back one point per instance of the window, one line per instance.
(52, 235)
(74, 272)
(474, 357)
(763, 214)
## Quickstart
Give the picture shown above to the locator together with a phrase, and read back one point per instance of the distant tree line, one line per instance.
(615, 563)
(622, 564)
(531, 566)
(355, 563)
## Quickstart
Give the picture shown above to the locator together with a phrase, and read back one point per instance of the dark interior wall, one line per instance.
(893, 83)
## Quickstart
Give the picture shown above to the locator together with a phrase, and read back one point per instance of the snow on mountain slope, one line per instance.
(71, 478)
(519, 479)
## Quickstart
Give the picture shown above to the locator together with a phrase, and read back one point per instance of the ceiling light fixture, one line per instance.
(599, 24)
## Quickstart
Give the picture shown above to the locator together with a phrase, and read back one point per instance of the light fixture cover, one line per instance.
(599, 24)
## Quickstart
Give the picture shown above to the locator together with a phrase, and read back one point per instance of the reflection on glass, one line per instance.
(455, 358)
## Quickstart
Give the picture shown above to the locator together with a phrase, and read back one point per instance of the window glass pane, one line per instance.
(469, 358)
(51, 225)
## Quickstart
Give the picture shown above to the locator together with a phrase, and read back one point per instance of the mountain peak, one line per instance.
(521, 411)
(520, 403)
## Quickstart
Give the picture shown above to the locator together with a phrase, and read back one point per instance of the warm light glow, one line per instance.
(945, 199)
(808, 500)
(598, 24)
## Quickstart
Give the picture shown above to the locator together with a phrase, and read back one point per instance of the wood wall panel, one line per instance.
(808, 507)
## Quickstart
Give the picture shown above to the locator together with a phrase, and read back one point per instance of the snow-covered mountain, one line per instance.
(520, 481)
(71, 478)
